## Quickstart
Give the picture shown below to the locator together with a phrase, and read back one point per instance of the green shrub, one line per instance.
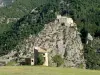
(58, 60)
(81, 65)
(40, 59)
(84, 34)
(92, 58)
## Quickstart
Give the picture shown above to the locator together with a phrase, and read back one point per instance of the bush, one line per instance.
(92, 58)
(84, 34)
(40, 59)
(58, 60)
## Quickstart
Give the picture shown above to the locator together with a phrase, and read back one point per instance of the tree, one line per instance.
(92, 58)
(58, 60)
(84, 34)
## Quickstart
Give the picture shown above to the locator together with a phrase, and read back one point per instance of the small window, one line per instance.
(32, 61)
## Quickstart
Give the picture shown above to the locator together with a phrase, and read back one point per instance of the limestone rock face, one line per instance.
(5, 2)
(61, 37)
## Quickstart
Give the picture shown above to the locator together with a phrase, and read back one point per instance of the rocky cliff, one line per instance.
(5, 2)
(61, 37)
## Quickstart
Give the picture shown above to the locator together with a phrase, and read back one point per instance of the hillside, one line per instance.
(61, 37)
(20, 8)
(32, 23)
(35, 15)
(16, 10)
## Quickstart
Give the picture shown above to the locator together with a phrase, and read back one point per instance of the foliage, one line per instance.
(92, 58)
(20, 8)
(58, 60)
(97, 33)
(40, 59)
(84, 34)
(5, 27)
(86, 13)
(32, 23)
(81, 66)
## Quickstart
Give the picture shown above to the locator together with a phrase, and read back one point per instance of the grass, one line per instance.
(11, 63)
(34, 70)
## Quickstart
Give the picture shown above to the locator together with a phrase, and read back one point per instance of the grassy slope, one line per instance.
(45, 71)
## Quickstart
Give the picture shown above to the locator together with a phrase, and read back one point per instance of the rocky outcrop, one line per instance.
(61, 37)
(5, 2)
(7, 58)
(89, 38)
(8, 20)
